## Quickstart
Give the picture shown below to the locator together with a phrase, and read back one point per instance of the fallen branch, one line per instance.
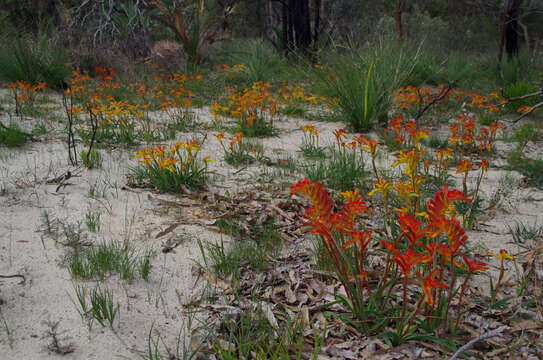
(13, 276)
(532, 109)
(476, 340)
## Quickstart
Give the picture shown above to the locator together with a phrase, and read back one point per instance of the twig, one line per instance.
(509, 100)
(476, 340)
(13, 276)
(532, 109)
(442, 94)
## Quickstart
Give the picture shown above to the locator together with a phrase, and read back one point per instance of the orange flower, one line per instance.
(474, 266)
(412, 229)
(340, 134)
(428, 284)
(322, 204)
(370, 145)
(219, 137)
(408, 260)
(463, 167)
(410, 159)
(483, 166)
(440, 204)
(382, 186)
(502, 256)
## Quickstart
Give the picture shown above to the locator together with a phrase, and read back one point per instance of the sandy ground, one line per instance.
(48, 292)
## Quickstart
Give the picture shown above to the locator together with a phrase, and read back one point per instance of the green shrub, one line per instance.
(364, 80)
(34, 60)
(12, 135)
(260, 61)
(517, 89)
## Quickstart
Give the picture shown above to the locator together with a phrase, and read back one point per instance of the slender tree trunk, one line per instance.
(400, 8)
(51, 9)
(509, 30)
(285, 27)
(317, 25)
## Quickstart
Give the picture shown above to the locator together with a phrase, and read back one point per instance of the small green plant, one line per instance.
(342, 171)
(531, 168)
(145, 265)
(39, 129)
(435, 142)
(12, 135)
(260, 62)
(93, 221)
(519, 89)
(49, 224)
(240, 152)
(102, 307)
(57, 338)
(92, 160)
(181, 351)
(248, 249)
(525, 133)
(310, 143)
(83, 305)
(102, 260)
(98, 189)
(487, 119)
(362, 84)
(523, 233)
(73, 233)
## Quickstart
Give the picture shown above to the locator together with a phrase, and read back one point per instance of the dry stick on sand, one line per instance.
(472, 342)
(13, 276)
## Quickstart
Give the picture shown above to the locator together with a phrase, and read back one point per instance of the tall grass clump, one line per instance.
(33, 59)
(363, 82)
(260, 61)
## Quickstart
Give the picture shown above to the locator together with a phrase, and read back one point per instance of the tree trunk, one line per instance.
(317, 25)
(296, 24)
(400, 8)
(509, 31)
(51, 9)
(285, 27)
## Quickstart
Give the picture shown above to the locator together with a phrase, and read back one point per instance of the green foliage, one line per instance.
(251, 249)
(517, 89)
(34, 60)
(94, 160)
(363, 82)
(96, 304)
(342, 171)
(12, 135)
(260, 61)
(527, 132)
(531, 168)
(102, 260)
(145, 265)
(93, 221)
(171, 169)
(523, 233)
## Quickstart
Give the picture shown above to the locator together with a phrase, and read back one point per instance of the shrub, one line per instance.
(12, 135)
(363, 82)
(34, 60)
(517, 89)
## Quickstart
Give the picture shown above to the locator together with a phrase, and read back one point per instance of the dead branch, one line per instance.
(442, 94)
(476, 340)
